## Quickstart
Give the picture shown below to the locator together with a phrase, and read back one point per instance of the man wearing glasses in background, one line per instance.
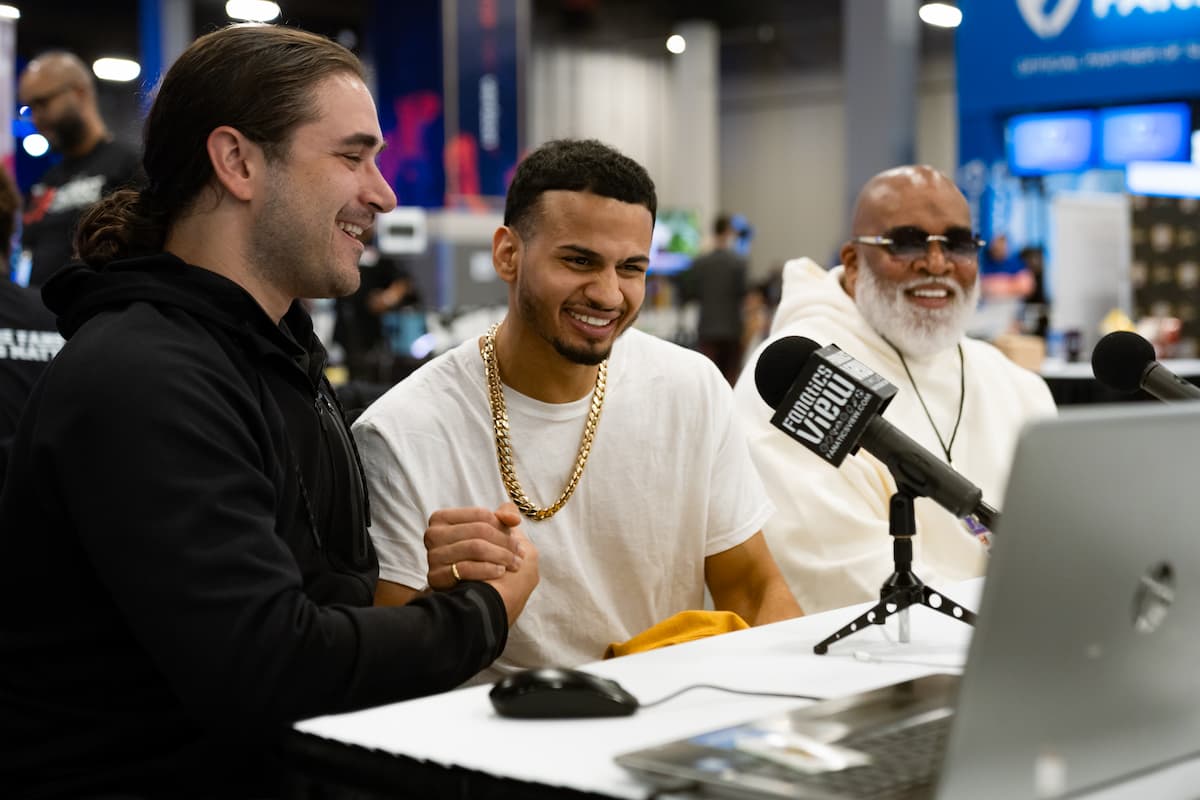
(899, 303)
(59, 92)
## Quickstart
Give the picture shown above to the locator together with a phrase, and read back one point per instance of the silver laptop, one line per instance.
(1082, 671)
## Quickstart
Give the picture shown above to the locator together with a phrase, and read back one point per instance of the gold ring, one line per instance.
(454, 571)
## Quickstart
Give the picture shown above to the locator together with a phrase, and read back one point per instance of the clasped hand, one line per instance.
(477, 544)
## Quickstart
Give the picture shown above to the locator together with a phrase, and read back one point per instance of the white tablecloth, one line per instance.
(461, 729)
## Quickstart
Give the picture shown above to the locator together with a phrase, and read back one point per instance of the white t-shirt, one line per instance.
(669, 482)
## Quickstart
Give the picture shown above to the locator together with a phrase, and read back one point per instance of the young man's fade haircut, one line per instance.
(575, 165)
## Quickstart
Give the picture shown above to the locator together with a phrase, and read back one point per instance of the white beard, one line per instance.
(916, 332)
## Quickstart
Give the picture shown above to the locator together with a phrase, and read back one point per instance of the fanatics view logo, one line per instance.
(831, 402)
(1044, 22)
(820, 404)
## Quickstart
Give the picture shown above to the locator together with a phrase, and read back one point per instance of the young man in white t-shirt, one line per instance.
(615, 452)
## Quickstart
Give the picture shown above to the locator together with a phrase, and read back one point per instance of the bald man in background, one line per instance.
(61, 96)
(900, 304)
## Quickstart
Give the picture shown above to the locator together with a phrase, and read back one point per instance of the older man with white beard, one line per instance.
(899, 303)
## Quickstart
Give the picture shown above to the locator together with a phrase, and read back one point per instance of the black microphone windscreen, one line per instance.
(1120, 359)
(780, 365)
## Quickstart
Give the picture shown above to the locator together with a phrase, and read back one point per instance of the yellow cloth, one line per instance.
(682, 627)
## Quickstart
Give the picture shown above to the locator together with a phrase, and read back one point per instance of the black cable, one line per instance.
(675, 694)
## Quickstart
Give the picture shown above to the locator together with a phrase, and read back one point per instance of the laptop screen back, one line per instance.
(1083, 668)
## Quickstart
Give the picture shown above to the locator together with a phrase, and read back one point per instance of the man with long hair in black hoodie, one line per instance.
(185, 567)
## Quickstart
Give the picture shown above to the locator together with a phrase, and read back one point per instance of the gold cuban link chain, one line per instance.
(504, 450)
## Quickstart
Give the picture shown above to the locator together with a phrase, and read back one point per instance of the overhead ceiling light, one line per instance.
(252, 10)
(120, 70)
(941, 15)
(9, 12)
(676, 43)
(35, 145)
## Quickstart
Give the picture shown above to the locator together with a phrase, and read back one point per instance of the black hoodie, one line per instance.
(184, 558)
(28, 340)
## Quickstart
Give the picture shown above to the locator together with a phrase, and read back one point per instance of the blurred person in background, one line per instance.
(28, 336)
(717, 280)
(1036, 317)
(61, 96)
(378, 324)
(756, 318)
(1005, 273)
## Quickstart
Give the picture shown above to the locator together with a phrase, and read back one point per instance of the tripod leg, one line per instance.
(872, 616)
(939, 602)
(902, 589)
(892, 603)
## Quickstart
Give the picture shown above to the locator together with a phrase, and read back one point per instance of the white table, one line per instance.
(459, 729)
(1082, 370)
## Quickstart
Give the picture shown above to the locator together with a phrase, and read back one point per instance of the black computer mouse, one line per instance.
(553, 692)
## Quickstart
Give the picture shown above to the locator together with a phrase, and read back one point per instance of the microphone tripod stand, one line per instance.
(903, 588)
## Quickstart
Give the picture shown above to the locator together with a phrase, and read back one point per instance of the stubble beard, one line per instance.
(590, 357)
(281, 253)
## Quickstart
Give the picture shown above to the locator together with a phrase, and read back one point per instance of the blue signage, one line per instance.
(406, 40)
(1027, 54)
(482, 153)
(453, 133)
(1020, 61)
(1160, 132)
(1050, 142)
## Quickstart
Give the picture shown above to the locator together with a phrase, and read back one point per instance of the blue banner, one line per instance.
(406, 42)
(482, 153)
(1028, 54)
(1015, 56)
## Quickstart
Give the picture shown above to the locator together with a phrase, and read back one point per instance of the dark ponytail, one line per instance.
(122, 225)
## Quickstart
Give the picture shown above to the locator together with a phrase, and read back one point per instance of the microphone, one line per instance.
(1125, 361)
(830, 403)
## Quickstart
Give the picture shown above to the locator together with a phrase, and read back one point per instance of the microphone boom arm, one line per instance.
(917, 471)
